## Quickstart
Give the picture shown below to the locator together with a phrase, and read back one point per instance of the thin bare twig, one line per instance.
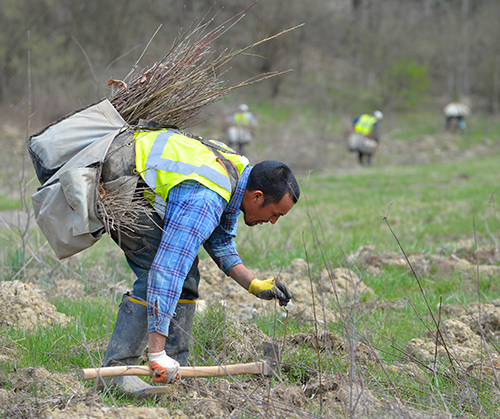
(86, 58)
(315, 321)
(422, 291)
(121, 212)
(481, 331)
(493, 202)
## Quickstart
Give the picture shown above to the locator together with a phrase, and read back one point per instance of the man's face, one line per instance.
(255, 213)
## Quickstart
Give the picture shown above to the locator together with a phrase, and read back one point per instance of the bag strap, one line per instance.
(231, 169)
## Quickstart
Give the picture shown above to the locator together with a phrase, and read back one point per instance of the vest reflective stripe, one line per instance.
(165, 158)
(365, 124)
(155, 160)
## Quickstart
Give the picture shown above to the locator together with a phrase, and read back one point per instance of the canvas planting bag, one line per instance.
(67, 156)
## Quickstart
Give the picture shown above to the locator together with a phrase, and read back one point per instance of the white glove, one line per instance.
(165, 369)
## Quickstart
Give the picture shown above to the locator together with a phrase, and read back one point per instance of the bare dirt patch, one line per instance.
(22, 306)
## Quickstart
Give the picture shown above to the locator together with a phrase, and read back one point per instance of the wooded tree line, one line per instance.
(350, 55)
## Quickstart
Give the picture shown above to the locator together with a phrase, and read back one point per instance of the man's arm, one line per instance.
(220, 245)
(242, 275)
(193, 212)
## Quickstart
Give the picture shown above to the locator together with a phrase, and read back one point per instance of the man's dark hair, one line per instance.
(274, 179)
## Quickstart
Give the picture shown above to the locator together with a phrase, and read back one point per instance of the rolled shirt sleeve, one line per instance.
(220, 245)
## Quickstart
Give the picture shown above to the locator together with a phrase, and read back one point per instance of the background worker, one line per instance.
(202, 209)
(455, 117)
(368, 126)
(241, 129)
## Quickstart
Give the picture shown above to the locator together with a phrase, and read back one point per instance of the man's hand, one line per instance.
(165, 369)
(269, 289)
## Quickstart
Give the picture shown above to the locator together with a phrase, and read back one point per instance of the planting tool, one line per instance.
(266, 366)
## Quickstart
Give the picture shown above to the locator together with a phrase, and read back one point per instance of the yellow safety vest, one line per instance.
(242, 118)
(164, 158)
(365, 124)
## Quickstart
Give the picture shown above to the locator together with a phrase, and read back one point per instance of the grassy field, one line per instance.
(427, 208)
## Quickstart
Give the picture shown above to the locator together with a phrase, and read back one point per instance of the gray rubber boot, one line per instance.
(127, 344)
(179, 333)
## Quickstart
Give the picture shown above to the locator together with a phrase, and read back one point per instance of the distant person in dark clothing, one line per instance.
(455, 117)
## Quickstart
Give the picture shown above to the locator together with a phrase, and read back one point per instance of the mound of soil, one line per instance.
(22, 306)
(98, 412)
(215, 286)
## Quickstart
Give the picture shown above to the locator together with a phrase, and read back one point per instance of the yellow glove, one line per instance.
(269, 289)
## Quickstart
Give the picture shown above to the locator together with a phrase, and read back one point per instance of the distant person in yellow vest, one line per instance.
(243, 124)
(369, 127)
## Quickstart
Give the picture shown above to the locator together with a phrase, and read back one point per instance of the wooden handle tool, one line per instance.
(262, 367)
(266, 366)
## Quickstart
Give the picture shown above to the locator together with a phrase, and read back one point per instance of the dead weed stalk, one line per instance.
(347, 318)
(459, 377)
(439, 336)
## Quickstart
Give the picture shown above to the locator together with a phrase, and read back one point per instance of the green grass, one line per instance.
(408, 126)
(9, 203)
(57, 347)
(427, 206)
(213, 329)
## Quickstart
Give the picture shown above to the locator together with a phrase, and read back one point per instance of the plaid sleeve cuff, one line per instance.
(158, 326)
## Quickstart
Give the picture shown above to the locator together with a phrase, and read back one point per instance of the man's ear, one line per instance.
(258, 196)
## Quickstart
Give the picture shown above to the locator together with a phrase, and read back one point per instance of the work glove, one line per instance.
(269, 289)
(165, 369)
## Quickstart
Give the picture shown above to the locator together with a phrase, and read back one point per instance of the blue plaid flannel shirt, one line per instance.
(195, 216)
